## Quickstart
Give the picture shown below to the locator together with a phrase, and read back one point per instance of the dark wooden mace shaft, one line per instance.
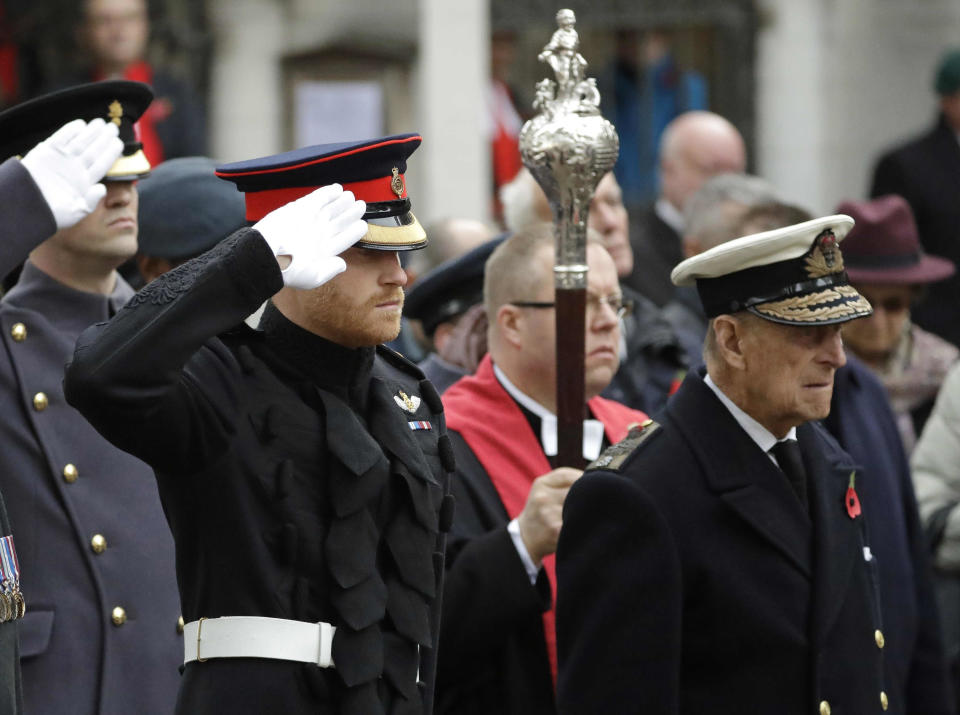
(571, 322)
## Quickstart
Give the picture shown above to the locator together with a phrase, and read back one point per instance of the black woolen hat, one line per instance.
(119, 101)
(185, 209)
(373, 170)
(451, 288)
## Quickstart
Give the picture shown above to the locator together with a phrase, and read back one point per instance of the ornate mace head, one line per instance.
(568, 146)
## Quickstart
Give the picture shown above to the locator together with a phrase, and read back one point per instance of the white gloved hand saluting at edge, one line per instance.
(68, 166)
(308, 235)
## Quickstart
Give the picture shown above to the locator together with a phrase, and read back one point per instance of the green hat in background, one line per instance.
(948, 73)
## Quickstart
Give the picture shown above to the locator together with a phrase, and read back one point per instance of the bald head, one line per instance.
(694, 147)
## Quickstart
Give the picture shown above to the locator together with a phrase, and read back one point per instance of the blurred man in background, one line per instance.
(115, 34)
(694, 146)
(652, 356)
(926, 172)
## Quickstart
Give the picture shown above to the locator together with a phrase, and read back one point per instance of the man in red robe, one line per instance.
(498, 650)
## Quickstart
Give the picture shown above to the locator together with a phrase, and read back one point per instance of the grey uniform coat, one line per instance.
(27, 221)
(64, 485)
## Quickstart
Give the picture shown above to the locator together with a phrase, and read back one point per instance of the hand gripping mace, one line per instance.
(568, 147)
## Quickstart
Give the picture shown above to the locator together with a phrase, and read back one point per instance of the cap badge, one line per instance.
(406, 402)
(396, 183)
(825, 258)
(116, 111)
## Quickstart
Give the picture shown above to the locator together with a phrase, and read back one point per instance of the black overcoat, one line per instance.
(693, 581)
(297, 481)
(493, 657)
(926, 172)
(656, 250)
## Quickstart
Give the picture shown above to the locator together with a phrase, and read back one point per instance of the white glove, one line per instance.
(313, 231)
(68, 166)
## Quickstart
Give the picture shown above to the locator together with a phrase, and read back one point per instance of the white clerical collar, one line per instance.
(592, 429)
(758, 433)
(669, 214)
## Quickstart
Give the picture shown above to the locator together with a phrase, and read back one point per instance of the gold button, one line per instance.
(180, 625)
(70, 474)
(884, 703)
(878, 637)
(824, 707)
(99, 544)
(119, 616)
(40, 401)
(19, 332)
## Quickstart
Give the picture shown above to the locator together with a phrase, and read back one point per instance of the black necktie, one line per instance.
(788, 457)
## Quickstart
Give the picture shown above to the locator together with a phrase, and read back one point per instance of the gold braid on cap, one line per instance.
(802, 310)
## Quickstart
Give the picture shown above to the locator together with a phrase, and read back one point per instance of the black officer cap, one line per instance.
(185, 209)
(451, 288)
(373, 170)
(119, 101)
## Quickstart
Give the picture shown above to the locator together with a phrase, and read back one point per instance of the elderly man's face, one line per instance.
(608, 217)
(361, 307)
(788, 372)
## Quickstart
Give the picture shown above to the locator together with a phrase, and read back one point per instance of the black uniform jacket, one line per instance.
(926, 172)
(691, 580)
(301, 480)
(27, 221)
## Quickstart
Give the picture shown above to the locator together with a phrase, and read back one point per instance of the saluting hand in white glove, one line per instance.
(307, 235)
(68, 166)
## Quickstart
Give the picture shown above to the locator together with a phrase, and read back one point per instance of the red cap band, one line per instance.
(260, 203)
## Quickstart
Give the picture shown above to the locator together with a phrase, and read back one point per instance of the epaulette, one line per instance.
(614, 456)
(397, 360)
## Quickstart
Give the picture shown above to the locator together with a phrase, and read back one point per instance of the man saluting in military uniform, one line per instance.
(95, 549)
(302, 469)
(55, 185)
(730, 568)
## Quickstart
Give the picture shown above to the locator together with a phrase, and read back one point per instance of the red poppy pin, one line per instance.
(852, 501)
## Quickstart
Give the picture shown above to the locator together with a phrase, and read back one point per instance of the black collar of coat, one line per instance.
(343, 371)
(824, 546)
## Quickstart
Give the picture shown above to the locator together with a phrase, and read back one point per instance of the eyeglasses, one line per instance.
(620, 307)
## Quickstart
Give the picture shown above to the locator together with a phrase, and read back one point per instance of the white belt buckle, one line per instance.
(325, 651)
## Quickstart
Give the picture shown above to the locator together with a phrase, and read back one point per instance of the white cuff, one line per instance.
(532, 569)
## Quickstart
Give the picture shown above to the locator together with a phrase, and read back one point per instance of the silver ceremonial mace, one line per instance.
(568, 147)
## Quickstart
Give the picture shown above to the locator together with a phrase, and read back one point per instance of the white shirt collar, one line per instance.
(669, 214)
(757, 432)
(592, 429)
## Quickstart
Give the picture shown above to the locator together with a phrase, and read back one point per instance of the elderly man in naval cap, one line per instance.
(731, 570)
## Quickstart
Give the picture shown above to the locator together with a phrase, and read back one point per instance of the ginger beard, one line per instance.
(362, 306)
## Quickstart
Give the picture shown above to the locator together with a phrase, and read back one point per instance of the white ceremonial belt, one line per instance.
(257, 637)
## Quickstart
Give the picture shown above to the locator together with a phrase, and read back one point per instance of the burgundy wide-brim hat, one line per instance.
(883, 246)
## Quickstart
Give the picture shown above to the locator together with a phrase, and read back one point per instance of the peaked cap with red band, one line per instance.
(373, 170)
